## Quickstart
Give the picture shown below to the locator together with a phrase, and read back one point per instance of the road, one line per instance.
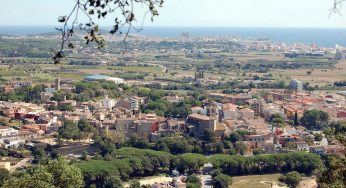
(206, 181)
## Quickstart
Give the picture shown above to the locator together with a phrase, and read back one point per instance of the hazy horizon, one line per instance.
(172, 26)
(192, 13)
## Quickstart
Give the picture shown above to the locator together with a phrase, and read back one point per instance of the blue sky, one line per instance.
(225, 13)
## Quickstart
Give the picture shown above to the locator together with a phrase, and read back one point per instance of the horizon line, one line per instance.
(151, 26)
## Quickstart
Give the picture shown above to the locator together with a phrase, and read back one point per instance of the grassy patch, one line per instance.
(255, 181)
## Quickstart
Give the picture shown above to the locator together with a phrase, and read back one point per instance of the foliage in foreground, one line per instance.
(56, 174)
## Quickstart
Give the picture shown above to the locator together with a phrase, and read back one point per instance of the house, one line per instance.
(39, 128)
(6, 132)
(257, 140)
(275, 96)
(256, 106)
(12, 142)
(108, 103)
(284, 139)
(110, 123)
(144, 128)
(229, 111)
(68, 102)
(341, 114)
(220, 130)
(317, 150)
(174, 99)
(302, 146)
(334, 149)
(239, 100)
(198, 123)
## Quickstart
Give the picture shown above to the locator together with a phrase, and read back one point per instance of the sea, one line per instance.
(323, 37)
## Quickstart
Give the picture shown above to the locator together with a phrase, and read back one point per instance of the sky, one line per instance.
(193, 13)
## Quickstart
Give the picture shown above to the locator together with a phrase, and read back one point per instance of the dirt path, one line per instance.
(151, 181)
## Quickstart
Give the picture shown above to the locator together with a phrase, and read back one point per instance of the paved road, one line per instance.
(206, 181)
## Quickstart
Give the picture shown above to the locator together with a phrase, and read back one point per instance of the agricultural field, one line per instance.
(320, 77)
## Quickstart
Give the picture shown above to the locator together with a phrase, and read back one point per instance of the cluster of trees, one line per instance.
(152, 94)
(189, 162)
(315, 119)
(125, 163)
(193, 181)
(237, 165)
(289, 65)
(62, 107)
(69, 130)
(131, 75)
(165, 108)
(241, 85)
(277, 120)
(28, 94)
(334, 174)
(336, 130)
(86, 91)
(231, 145)
(33, 48)
(292, 178)
(340, 83)
(222, 180)
(55, 174)
(111, 141)
(207, 145)
(128, 163)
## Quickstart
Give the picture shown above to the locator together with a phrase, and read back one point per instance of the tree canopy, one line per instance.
(314, 119)
(56, 174)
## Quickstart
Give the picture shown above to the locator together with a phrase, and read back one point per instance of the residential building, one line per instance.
(302, 146)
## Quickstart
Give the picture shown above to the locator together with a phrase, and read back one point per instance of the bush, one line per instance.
(292, 178)
(222, 181)
(193, 181)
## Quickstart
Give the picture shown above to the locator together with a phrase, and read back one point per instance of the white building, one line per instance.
(108, 103)
(302, 146)
(174, 99)
(7, 132)
(324, 142)
(12, 142)
(104, 77)
(116, 80)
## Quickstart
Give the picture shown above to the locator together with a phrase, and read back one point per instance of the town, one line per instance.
(186, 111)
(75, 119)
